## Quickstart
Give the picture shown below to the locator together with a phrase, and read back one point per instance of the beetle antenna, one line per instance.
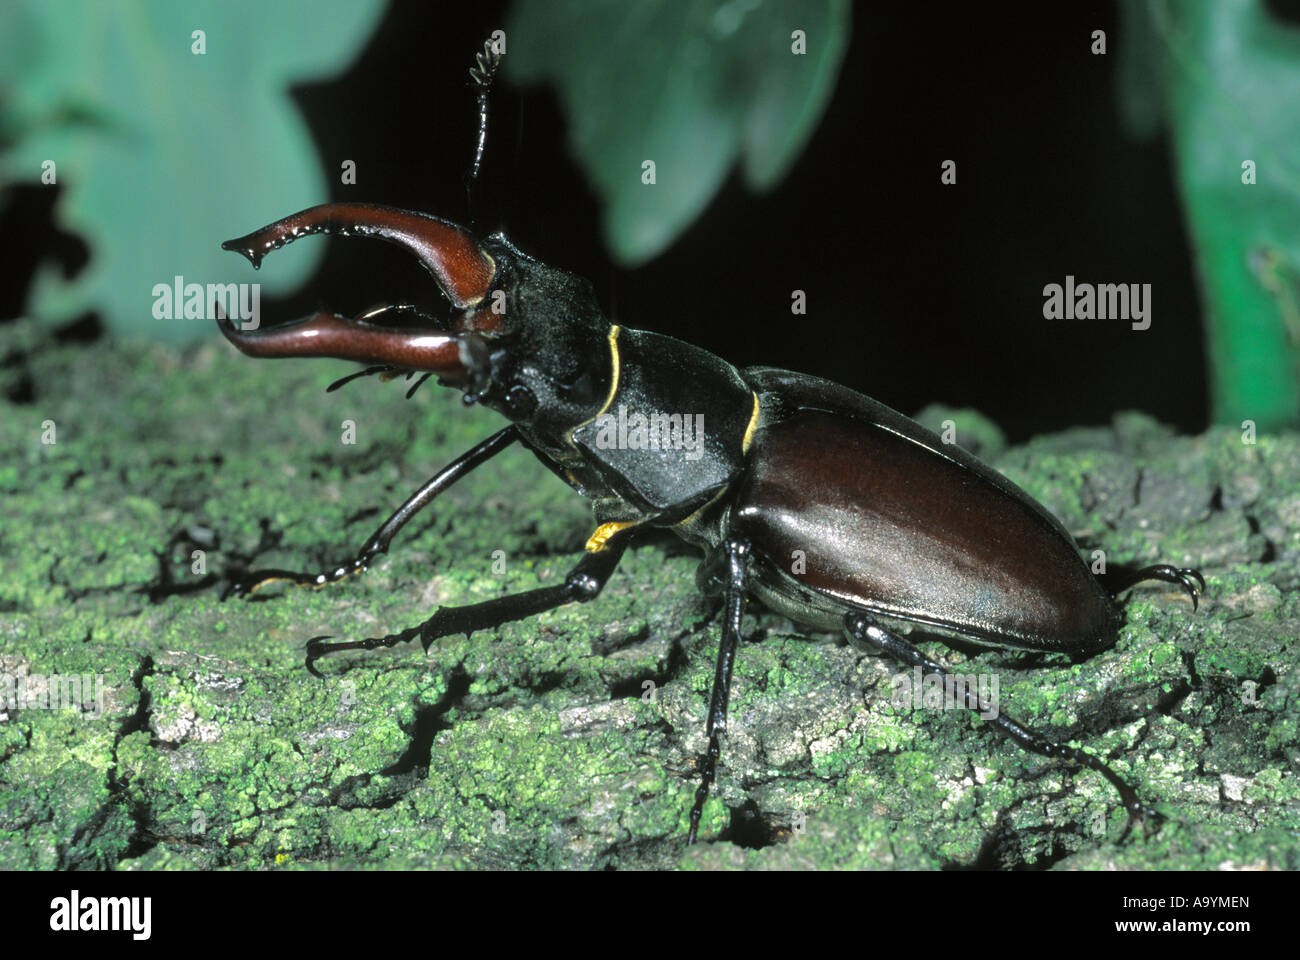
(482, 73)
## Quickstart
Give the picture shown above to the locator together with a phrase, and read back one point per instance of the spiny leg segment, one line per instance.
(584, 582)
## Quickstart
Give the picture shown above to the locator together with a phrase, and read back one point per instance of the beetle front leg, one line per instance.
(737, 553)
(584, 582)
(863, 630)
(379, 541)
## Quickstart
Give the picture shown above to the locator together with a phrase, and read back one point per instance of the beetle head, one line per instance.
(526, 339)
(548, 353)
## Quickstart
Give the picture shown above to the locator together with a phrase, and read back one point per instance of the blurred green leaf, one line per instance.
(1140, 84)
(163, 153)
(693, 85)
(1230, 79)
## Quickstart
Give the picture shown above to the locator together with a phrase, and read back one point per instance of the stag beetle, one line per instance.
(898, 530)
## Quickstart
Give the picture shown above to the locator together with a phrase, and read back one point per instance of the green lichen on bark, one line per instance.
(541, 744)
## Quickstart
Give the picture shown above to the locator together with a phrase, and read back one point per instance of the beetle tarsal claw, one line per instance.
(1186, 577)
(317, 648)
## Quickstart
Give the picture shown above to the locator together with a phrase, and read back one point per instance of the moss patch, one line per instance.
(571, 740)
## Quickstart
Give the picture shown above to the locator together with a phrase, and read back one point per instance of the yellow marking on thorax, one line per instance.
(744, 448)
(613, 384)
(686, 522)
(597, 541)
(749, 430)
(614, 368)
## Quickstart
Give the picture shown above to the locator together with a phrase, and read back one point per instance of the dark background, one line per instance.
(917, 292)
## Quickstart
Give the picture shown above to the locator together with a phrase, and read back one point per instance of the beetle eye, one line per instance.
(520, 402)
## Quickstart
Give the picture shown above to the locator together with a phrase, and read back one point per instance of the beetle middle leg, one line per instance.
(864, 630)
(736, 553)
(379, 541)
(584, 582)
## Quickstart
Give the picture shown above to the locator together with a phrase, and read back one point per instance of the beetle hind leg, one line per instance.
(1189, 579)
(864, 632)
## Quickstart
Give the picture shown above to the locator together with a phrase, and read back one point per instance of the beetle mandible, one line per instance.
(899, 530)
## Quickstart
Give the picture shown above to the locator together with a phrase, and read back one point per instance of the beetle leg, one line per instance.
(863, 630)
(379, 541)
(584, 582)
(737, 553)
(1188, 578)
